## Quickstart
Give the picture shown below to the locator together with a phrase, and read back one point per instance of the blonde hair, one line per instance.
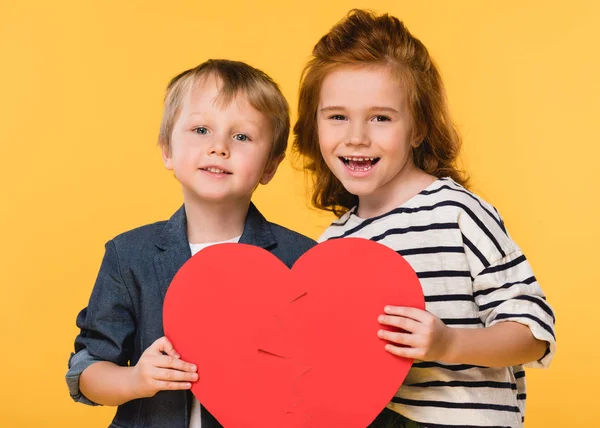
(236, 77)
(365, 39)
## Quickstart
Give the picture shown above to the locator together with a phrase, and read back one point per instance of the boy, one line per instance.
(224, 131)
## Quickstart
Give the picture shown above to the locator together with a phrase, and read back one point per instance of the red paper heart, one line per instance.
(291, 348)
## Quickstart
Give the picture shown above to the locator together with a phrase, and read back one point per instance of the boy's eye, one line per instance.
(337, 117)
(241, 137)
(381, 119)
(201, 130)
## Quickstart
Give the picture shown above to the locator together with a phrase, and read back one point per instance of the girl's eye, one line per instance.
(338, 117)
(241, 137)
(381, 119)
(201, 130)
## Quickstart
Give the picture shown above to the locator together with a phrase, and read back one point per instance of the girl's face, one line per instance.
(364, 129)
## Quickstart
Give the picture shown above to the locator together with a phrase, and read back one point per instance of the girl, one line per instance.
(374, 129)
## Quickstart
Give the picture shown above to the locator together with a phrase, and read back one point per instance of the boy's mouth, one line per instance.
(359, 164)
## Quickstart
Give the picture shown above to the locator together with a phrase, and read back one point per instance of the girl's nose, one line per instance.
(358, 135)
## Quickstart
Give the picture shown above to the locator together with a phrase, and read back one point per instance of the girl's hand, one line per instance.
(425, 336)
(156, 371)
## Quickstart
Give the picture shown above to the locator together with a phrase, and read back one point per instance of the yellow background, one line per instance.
(81, 84)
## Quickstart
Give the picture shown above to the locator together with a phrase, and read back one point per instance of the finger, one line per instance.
(406, 324)
(170, 362)
(412, 353)
(163, 385)
(407, 312)
(161, 346)
(164, 345)
(398, 338)
(171, 375)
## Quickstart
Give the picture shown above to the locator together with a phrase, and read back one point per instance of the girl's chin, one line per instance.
(359, 189)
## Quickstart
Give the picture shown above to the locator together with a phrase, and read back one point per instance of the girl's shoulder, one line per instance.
(444, 201)
(477, 219)
(446, 191)
(338, 226)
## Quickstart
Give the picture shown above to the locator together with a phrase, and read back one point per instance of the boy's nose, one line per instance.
(219, 148)
(219, 152)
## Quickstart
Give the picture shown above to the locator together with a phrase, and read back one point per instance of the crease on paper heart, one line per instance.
(295, 417)
(275, 330)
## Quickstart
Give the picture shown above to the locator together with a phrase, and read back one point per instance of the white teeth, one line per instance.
(361, 169)
(215, 170)
(358, 159)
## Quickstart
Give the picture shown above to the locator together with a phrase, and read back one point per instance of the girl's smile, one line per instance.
(359, 166)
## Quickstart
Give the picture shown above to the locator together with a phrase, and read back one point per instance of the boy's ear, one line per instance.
(271, 169)
(166, 156)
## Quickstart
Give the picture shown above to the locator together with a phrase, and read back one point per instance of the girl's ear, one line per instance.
(271, 169)
(418, 135)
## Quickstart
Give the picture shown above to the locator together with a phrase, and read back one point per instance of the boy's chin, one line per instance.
(220, 198)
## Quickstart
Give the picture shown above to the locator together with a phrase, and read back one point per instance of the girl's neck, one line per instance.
(405, 186)
(215, 221)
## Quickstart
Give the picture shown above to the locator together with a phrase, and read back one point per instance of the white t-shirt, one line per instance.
(195, 420)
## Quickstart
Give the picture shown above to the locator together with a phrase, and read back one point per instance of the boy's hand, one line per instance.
(425, 338)
(156, 371)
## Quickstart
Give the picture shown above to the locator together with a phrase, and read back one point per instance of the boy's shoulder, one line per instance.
(145, 233)
(283, 241)
(160, 233)
(173, 231)
(290, 245)
(285, 235)
(140, 242)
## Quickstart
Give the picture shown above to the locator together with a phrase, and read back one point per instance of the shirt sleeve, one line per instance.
(503, 284)
(507, 290)
(107, 324)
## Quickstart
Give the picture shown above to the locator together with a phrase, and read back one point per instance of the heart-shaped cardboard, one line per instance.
(291, 348)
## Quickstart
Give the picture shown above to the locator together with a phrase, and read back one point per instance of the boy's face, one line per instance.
(219, 153)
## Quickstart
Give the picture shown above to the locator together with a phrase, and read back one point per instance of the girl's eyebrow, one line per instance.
(381, 108)
(328, 108)
(375, 108)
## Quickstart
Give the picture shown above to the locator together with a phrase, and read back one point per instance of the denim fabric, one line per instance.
(124, 313)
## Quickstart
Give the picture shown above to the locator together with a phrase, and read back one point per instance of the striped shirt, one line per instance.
(473, 276)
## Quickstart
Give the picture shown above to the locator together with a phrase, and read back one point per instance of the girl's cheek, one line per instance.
(330, 134)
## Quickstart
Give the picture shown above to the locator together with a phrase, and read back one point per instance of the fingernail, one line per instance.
(380, 318)
(193, 367)
(380, 333)
(387, 308)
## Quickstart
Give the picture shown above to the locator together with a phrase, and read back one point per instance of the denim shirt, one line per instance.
(124, 313)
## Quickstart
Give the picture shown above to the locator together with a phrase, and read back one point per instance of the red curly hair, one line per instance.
(365, 39)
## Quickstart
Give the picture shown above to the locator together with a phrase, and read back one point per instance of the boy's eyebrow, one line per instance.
(196, 113)
(375, 108)
(244, 120)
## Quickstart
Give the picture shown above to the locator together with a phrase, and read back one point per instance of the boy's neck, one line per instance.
(215, 221)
